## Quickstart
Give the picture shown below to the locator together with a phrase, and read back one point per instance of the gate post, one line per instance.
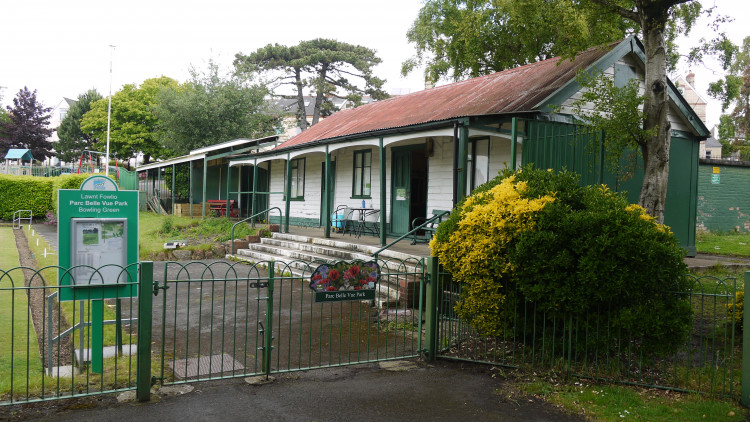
(268, 333)
(431, 308)
(745, 399)
(145, 308)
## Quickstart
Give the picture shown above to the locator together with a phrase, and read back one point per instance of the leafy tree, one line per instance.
(72, 139)
(324, 66)
(27, 126)
(566, 27)
(134, 127)
(210, 109)
(734, 90)
(459, 38)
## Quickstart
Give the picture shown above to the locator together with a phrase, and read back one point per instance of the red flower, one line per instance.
(354, 269)
(371, 279)
(317, 276)
(333, 275)
(357, 287)
(363, 282)
(331, 289)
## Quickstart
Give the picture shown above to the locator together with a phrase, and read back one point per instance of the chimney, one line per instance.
(428, 84)
(690, 78)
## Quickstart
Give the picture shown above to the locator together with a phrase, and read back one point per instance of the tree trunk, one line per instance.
(320, 93)
(301, 109)
(656, 106)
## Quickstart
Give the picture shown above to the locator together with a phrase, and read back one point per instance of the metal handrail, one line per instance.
(17, 218)
(231, 239)
(412, 231)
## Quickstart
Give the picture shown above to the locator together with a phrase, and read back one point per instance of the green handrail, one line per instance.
(430, 220)
(253, 223)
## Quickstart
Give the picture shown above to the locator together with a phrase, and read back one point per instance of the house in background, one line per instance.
(58, 113)
(710, 148)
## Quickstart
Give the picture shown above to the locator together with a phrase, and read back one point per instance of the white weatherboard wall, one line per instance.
(676, 119)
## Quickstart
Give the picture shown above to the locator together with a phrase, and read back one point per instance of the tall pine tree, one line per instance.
(27, 126)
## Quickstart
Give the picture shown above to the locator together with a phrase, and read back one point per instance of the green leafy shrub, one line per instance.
(539, 236)
(66, 181)
(738, 308)
(25, 193)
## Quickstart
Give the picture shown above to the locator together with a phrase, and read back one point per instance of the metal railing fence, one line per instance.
(221, 320)
(46, 343)
(585, 346)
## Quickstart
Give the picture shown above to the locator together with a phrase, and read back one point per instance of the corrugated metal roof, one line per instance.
(510, 91)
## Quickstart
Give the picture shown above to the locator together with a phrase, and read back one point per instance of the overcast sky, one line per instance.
(61, 48)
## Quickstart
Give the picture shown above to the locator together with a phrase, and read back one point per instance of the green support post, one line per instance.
(382, 193)
(268, 331)
(145, 304)
(97, 335)
(228, 213)
(190, 188)
(118, 326)
(513, 143)
(431, 308)
(327, 196)
(174, 176)
(205, 177)
(288, 191)
(255, 188)
(463, 145)
(745, 399)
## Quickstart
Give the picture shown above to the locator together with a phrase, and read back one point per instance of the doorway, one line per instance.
(408, 187)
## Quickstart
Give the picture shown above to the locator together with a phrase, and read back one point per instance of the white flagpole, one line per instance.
(109, 111)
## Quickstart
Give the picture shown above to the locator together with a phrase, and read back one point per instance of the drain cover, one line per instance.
(205, 365)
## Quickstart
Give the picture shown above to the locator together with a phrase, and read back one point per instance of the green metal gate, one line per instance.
(221, 320)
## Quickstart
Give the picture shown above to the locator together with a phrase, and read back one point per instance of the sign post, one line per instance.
(98, 240)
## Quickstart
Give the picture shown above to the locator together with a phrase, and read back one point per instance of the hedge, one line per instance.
(38, 194)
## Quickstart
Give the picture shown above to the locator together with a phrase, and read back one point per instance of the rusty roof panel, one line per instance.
(513, 90)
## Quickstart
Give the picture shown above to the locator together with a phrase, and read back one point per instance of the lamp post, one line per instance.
(109, 110)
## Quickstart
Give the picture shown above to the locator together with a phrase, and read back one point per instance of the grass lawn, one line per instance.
(734, 244)
(18, 343)
(617, 403)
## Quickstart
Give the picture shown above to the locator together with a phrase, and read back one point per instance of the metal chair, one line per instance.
(341, 218)
(371, 224)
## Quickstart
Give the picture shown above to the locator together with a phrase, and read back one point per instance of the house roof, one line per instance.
(713, 143)
(19, 154)
(510, 91)
(530, 88)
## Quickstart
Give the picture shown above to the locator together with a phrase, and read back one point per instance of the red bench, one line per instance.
(220, 207)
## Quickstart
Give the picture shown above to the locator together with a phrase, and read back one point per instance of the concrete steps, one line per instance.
(301, 255)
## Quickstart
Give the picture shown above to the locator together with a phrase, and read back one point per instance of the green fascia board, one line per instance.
(629, 45)
(224, 154)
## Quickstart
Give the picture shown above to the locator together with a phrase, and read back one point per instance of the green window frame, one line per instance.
(362, 175)
(297, 191)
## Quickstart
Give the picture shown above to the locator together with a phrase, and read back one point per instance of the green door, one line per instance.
(401, 187)
(332, 177)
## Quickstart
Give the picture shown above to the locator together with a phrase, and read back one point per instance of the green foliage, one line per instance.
(66, 181)
(458, 38)
(324, 66)
(134, 126)
(539, 236)
(210, 109)
(737, 309)
(73, 141)
(734, 90)
(617, 112)
(24, 193)
(26, 126)
(181, 182)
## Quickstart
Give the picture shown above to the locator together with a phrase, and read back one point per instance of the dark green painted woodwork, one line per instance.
(561, 146)
(724, 197)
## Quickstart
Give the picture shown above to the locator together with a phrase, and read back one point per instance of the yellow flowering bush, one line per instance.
(538, 236)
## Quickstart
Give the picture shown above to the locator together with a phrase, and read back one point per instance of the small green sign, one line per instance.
(345, 280)
(98, 241)
(715, 179)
